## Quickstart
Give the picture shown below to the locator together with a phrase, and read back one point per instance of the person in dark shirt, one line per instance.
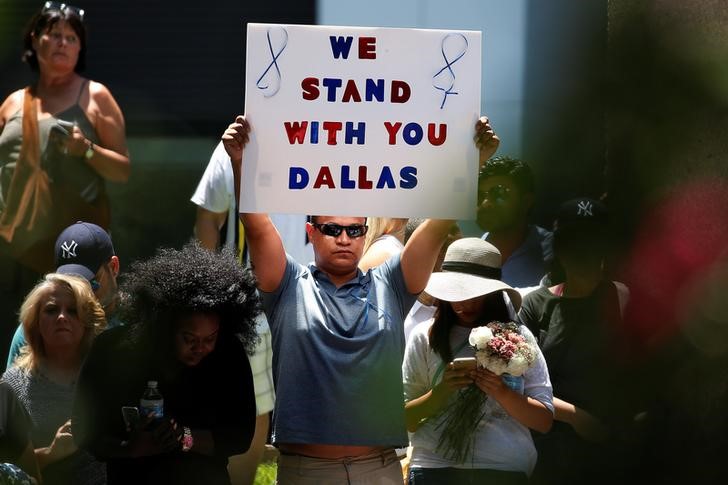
(506, 195)
(577, 322)
(190, 315)
(15, 425)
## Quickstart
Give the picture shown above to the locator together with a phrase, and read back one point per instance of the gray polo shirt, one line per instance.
(337, 356)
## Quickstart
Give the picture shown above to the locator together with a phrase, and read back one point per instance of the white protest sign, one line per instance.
(355, 121)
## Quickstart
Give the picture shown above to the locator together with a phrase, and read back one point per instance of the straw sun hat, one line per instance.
(472, 268)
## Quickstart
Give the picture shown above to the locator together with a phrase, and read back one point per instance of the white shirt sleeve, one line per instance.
(415, 368)
(536, 378)
(215, 192)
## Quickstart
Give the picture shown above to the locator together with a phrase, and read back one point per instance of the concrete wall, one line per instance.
(529, 48)
(504, 45)
(177, 70)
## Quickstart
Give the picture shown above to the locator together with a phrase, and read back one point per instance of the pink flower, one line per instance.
(514, 337)
(495, 344)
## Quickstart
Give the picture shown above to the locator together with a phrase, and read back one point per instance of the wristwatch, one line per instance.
(89, 151)
(187, 441)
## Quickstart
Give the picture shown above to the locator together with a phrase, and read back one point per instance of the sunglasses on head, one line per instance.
(496, 194)
(62, 7)
(331, 229)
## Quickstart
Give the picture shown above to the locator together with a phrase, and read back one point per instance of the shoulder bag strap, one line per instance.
(20, 195)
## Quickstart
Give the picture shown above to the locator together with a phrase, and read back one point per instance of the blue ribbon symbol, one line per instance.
(452, 43)
(269, 91)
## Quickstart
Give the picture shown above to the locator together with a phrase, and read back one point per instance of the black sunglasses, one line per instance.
(62, 7)
(331, 229)
(497, 194)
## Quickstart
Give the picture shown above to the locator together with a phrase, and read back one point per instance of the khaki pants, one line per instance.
(375, 469)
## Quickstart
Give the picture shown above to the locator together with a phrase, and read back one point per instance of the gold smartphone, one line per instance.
(464, 363)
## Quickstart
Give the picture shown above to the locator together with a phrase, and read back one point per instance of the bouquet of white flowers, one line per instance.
(500, 348)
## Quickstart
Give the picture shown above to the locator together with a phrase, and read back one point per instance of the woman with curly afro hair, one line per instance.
(190, 317)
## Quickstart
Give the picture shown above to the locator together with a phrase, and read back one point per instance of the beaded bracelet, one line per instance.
(187, 441)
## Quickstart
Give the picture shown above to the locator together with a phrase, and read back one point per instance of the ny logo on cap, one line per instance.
(584, 208)
(69, 250)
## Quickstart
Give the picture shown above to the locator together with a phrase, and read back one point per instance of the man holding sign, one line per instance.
(350, 121)
(338, 337)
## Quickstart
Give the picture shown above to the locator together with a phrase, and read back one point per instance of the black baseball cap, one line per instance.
(582, 209)
(82, 248)
(581, 223)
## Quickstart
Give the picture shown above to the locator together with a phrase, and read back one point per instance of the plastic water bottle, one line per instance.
(151, 404)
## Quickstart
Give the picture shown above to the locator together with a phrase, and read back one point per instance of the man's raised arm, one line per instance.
(420, 253)
(267, 254)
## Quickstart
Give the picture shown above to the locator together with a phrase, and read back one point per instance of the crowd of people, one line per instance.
(352, 365)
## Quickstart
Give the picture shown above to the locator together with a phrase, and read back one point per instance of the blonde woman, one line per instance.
(384, 239)
(60, 318)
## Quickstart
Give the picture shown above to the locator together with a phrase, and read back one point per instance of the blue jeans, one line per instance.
(448, 476)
